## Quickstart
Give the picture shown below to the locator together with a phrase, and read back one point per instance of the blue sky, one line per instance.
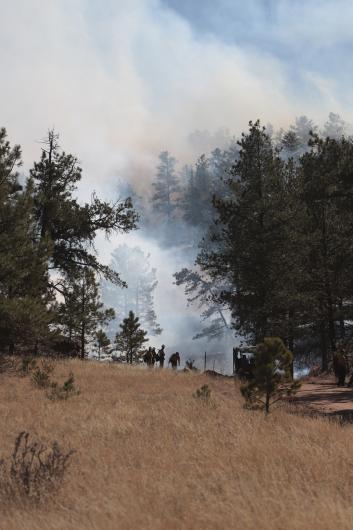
(310, 40)
(285, 28)
(312, 36)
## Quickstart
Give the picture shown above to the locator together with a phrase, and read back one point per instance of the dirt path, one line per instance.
(325, 397)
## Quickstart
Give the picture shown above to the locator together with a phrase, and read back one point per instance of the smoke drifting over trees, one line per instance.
(141, 279)
(256, 235)
(222, 189)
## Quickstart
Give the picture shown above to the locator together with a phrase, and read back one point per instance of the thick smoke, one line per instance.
(123, 80)
(179, 322)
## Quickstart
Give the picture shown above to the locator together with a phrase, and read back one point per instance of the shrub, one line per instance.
(7, 364)
(65, 391)
(27, 365)
(203, 394)
(33, 471)
(41, 376)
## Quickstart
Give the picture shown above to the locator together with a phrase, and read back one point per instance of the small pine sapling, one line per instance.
(41, 375)
(27, 365)
(68, 389)
(272, 379)
(131, 338)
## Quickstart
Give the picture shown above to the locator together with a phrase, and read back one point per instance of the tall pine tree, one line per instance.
(166, 186)
(138, 295)
(82, 313)
(24, 297)
(247, 240)
(71, 227)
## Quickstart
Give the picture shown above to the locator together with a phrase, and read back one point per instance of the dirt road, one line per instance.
(325, 397)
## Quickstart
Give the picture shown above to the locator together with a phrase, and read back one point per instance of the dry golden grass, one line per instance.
(150, 456)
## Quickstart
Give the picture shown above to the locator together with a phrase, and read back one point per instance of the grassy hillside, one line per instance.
(150, 456)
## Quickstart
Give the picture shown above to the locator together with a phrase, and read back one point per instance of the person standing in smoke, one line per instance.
(236, 360)
(153, 356)
(161, 356)
(148, 357)
(174, 360)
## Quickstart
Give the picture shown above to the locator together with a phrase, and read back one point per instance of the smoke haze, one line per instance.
(124, 80)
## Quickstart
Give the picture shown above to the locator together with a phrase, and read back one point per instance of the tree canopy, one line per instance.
(47, 245)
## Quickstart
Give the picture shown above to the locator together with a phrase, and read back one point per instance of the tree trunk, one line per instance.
(83, 340)
(291, 339)
(328, 290)
(44, 216)
(342, 325)
(83, 324)
(267, 403)
(323, 340)
(331, 322)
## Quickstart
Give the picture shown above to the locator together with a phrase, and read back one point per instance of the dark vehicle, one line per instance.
(243, 362)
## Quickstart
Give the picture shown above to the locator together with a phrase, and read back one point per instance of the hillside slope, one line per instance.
(150, 456)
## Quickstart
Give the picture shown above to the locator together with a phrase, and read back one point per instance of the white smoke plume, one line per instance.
(122, 81)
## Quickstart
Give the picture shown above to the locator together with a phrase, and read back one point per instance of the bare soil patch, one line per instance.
(322, 395)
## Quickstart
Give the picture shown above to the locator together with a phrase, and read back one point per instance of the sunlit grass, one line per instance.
(151, 456)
